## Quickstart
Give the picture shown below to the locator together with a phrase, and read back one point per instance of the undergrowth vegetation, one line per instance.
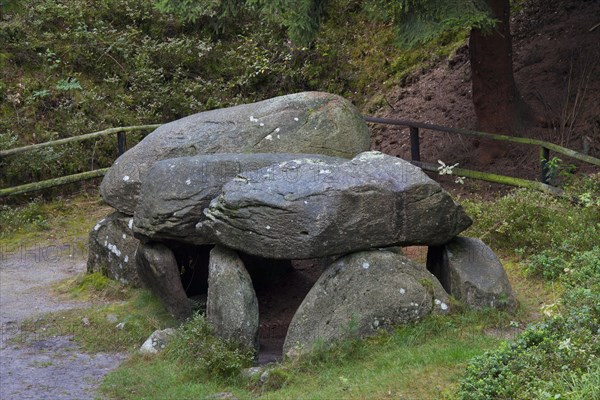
(546, 231)
(559, 241)
(209, 355)
(72, 67)
(556, 358)
(63, 223)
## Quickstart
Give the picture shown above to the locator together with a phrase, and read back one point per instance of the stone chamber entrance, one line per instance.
(280, 286)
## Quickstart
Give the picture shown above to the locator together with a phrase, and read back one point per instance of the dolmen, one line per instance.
(289, 178)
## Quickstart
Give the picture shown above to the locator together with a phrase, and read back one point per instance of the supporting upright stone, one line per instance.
(158, 270)
(362, 293)
(470, 271)
(112, 249)
(232, 307)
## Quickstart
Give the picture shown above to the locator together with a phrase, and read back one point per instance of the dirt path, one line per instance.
(42, 366)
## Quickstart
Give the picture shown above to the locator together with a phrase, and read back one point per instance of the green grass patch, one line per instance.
(120, 318)
(93, 287)
(388, 365)
(65, 221)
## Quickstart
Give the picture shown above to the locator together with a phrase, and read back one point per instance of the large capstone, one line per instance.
(112, 249)
(158, 270)
(232, 307)
(308, 209)
(309, 122)
(362, 293)
(471, 272)
(176, 191)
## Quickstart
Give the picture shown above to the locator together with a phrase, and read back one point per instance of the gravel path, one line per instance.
(43, 367)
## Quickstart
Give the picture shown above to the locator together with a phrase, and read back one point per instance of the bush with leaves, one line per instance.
(557, 358)
(196, 346)
(549, 232)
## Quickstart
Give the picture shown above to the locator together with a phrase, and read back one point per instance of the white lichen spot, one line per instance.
(324, 171)
(171, 166)
(126, 178)
(252, 119)
(262, 124)
(437, 302)
(278, 137)
(105, 243)
(365, 265)
(188, 181)
(277, 130)
(131, 223)
(268, 227)
(97, 227)
(305, 202)
(113, 248)
(370, 155)
(444, 306)
(296, 119)
(126, 259)
(124, 236)
(402, 290)
(269, 137)
(375, 324)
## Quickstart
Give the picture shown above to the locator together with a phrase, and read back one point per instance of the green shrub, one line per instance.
(548, 231)
(552, 359)
(204, 354)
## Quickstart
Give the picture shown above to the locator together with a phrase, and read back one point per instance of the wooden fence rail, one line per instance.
(413, 126)
(414, 131)
(79, 138)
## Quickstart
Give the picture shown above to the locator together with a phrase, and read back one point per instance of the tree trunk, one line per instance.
(498, 106)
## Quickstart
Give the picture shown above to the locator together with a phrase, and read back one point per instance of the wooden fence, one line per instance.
(542, 184)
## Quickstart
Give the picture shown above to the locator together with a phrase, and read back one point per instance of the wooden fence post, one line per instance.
(544, 158)
(121, 143)
(415, 152)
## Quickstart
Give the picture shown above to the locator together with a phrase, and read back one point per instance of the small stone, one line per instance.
(111, 318)
(222, 395)
(85, 321)
(157, 341)
(252, 372)
(120, 326)
(264, 376)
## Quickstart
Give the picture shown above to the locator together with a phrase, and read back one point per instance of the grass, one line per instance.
(393, 365)
(97, 328)
(384, 366)
(64, 221)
